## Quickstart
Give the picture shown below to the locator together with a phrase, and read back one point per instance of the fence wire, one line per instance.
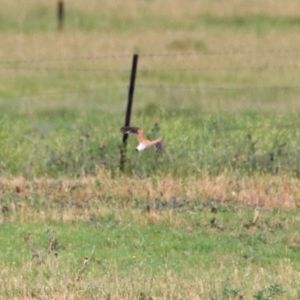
(192, 79)
(157, 55)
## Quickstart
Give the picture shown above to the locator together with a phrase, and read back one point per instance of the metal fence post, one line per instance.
(129, 106)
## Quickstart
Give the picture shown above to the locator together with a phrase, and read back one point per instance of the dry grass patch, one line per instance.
(77, 199)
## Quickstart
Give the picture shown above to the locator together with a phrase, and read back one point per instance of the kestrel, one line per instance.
(143, 142)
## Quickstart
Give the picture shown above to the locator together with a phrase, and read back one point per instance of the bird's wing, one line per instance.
(129, 129)
(134, 130)
(159, 145)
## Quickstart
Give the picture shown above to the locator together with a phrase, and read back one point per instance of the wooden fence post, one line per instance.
(60, 14)
(129, 106)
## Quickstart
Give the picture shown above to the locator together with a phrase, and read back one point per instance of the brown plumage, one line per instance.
(143, 142)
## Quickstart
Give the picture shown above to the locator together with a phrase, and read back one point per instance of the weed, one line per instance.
(270, 292)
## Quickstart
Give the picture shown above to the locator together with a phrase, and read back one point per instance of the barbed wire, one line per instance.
(225, 53)
(154, 54)
(51, 69)
(262, 67)
(217, 88)
(155, 87)
(29, 65)
(147, 70)
(66, 59)
(64, 93)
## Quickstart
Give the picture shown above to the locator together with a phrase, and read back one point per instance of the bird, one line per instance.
(143, 142)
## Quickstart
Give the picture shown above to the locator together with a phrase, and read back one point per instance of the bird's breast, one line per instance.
(141, 147)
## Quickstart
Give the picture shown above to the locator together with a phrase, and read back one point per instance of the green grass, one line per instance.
(257, 23)
(123, 249)
(64, 142)
(41, 17)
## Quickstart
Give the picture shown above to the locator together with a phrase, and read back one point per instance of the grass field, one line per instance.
(215, 215)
